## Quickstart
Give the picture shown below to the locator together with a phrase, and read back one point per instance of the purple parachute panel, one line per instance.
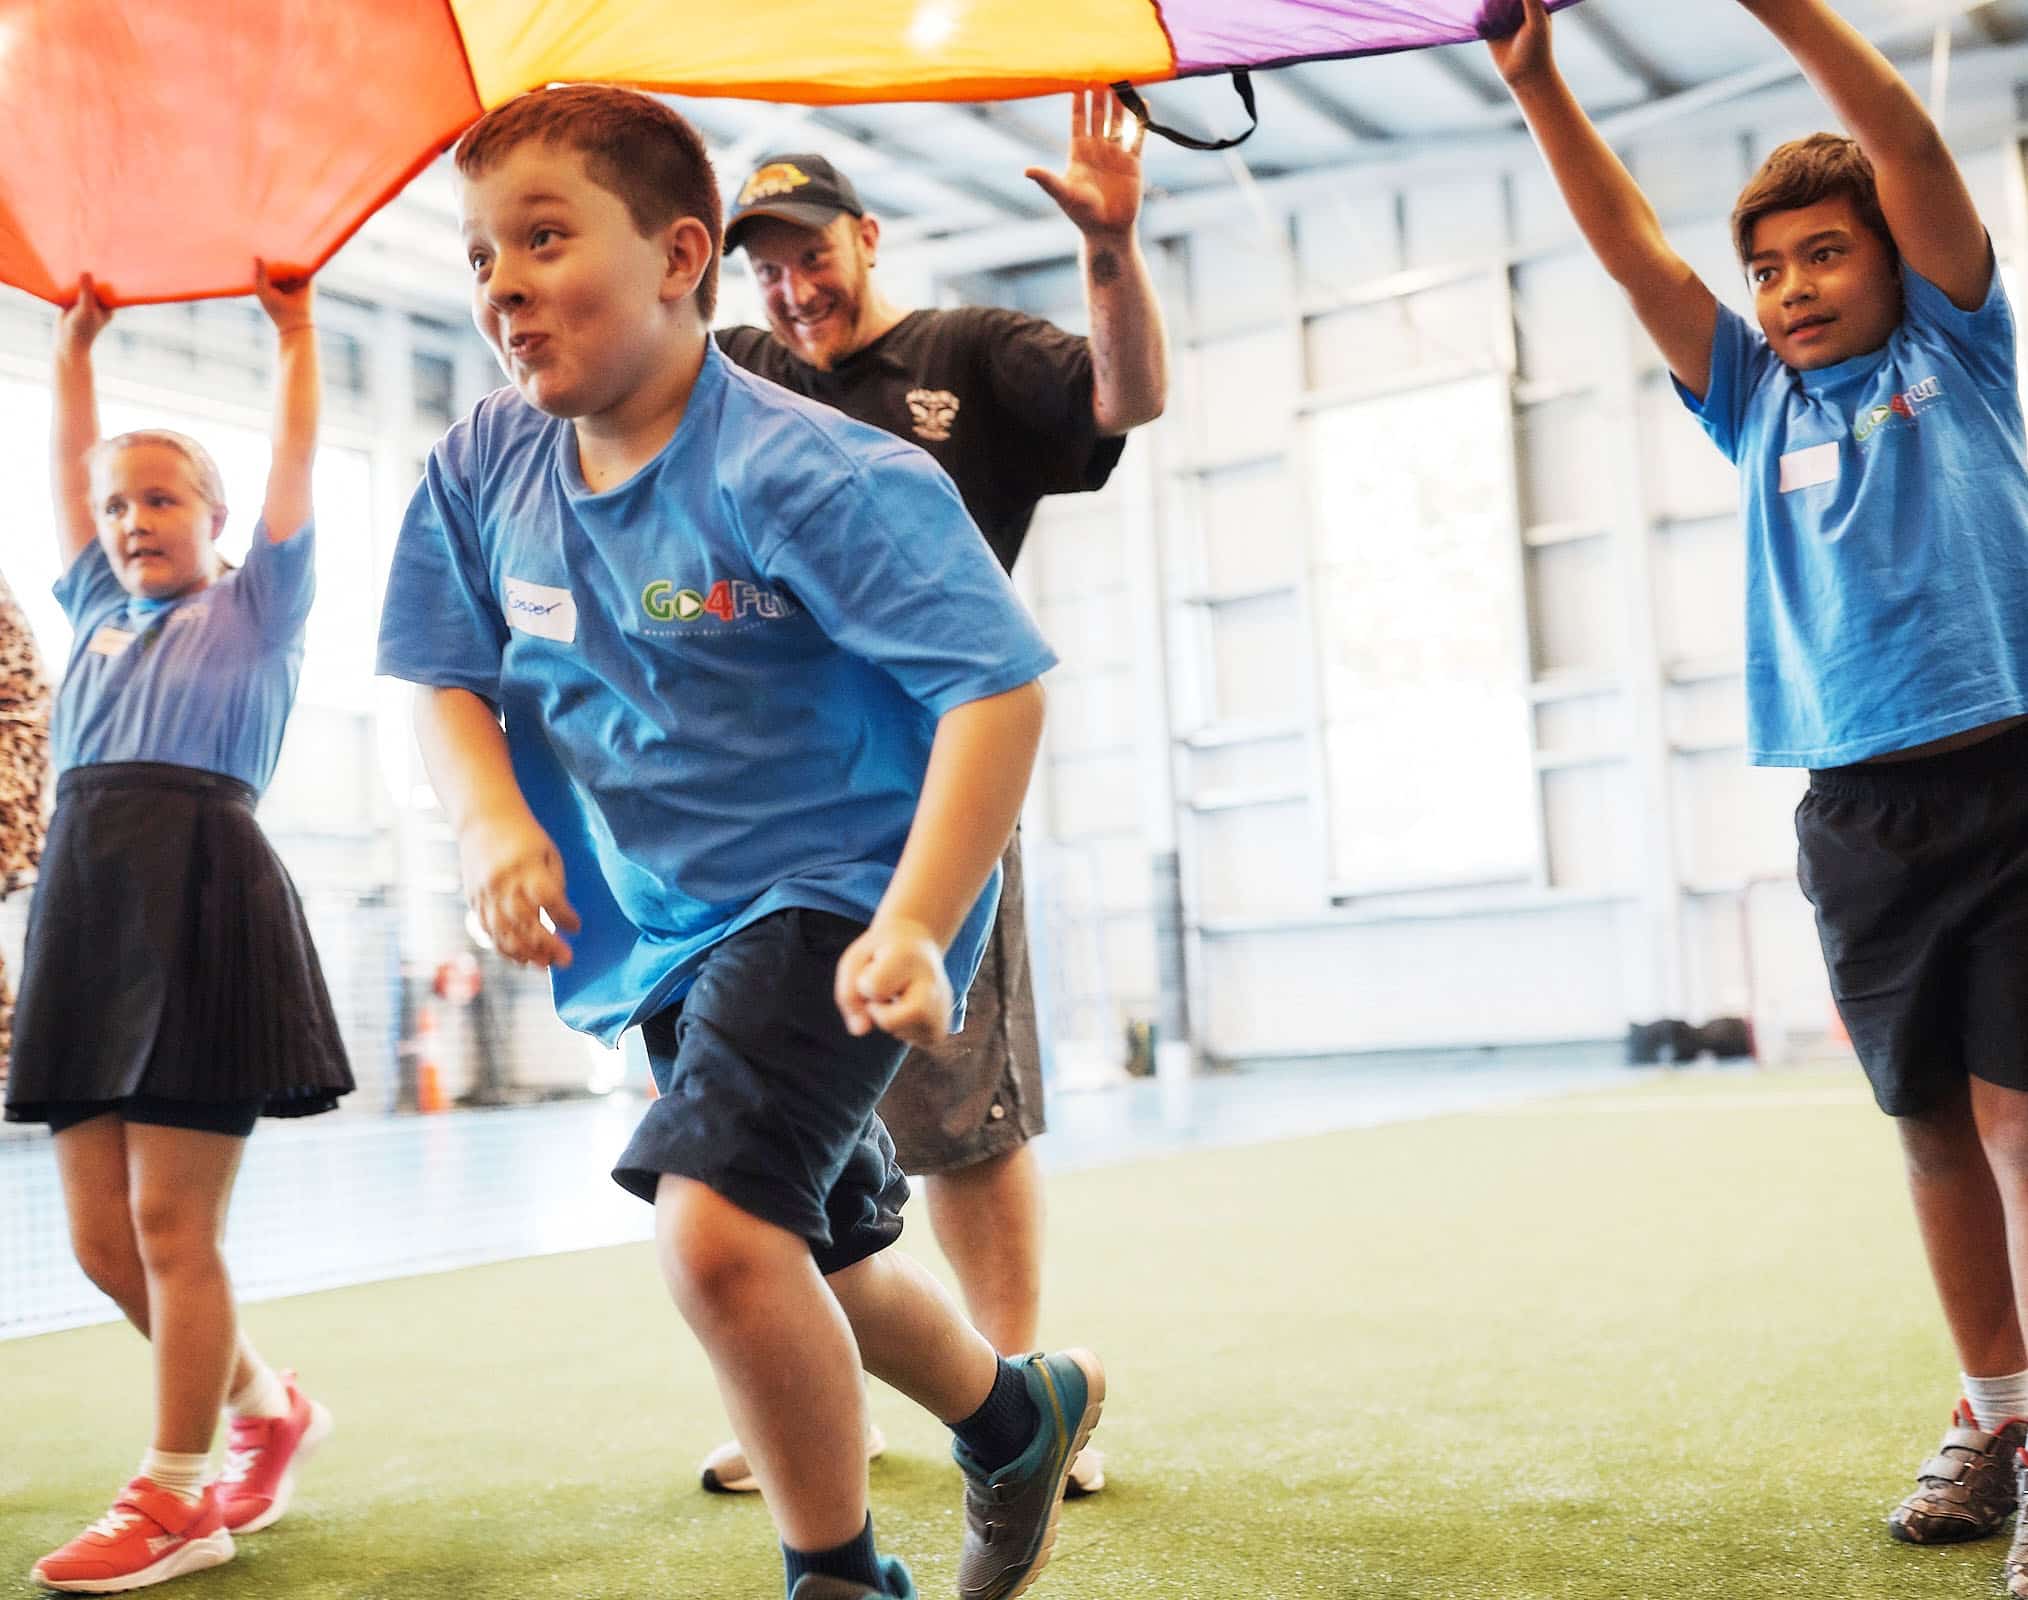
(1209, 35)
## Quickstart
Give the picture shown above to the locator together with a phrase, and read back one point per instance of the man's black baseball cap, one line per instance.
(803, 189)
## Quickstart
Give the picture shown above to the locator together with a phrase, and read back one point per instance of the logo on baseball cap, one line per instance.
(803, 189)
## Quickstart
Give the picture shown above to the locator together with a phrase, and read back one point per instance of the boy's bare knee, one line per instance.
(711, 1250)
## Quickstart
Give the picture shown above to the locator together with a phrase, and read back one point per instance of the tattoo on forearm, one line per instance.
(1101, 349)
(1105, 268)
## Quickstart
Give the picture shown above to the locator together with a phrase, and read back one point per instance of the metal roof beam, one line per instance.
(1996, 28)
(1008, 126)
(925, 168)
(1487, 93)
(1348, 120)
(734, 149)
(1624, 54)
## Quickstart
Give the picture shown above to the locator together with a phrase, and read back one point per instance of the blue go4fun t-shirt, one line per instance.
(721, 678)
(1885, 502)
(204, 680)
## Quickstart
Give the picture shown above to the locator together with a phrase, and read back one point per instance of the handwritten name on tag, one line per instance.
(110, 641)
(540, 609)
(1805, 469)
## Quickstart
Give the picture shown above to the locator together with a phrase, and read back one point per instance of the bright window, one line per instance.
(1420, 617)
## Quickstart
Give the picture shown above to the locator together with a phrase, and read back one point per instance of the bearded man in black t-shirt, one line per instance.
(1013, 409)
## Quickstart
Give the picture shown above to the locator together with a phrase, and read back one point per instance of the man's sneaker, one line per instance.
(1010, 1515)
(821, 1586)
(1087, 1473)
(261, 1457)
(725, 1470)
(149, 1536)
(1966, 1490)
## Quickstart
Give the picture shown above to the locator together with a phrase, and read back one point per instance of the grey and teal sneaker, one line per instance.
(821, 1586)
(1010, 1515)
(1967, 1489)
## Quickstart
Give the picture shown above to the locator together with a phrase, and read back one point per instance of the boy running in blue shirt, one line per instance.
(1875, 418)
(732, 725)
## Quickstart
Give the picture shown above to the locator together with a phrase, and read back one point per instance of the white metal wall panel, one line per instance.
(1259, 661)
(1736, 819)
(1700, 582)
(1591, 821)
(1581, 725)
(1277, 763)
(1353, 236)
(1243, 397)
(1559, 441)
(1257, 861)
(1573, 600)
(1232, 282)
(1455, 220)
(1564, 338)
(1393, 985)
(1252, 527)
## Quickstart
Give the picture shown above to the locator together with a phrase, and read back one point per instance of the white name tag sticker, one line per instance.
(1805, 469)
(540, 609)
(110, 641)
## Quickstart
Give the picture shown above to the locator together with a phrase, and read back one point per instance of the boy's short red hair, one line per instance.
(636, 147)
(1802, 172)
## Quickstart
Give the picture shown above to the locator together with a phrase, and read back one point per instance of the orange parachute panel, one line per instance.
(162, 146)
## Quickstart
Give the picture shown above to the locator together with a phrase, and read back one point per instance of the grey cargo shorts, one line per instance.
(979, 1094)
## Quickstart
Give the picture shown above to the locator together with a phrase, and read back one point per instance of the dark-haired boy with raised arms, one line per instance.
(732, 710)
(1874, 414)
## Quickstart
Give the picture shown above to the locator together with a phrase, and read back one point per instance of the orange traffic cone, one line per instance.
(429, 1078)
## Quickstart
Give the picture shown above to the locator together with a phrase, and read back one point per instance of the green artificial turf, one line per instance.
(1670, 1340)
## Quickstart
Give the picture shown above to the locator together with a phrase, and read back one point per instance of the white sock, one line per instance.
(1995, 1401)
(263, 1395)
(182, 1476)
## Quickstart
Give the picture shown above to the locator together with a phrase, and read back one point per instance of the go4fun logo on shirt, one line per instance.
(1908, 405)
(731, 600)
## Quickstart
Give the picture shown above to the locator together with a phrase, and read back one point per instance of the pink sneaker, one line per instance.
(149, 1536)
(261, 1457)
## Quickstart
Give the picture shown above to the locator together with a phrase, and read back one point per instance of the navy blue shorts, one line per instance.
(767, 1101)
(1919, 874)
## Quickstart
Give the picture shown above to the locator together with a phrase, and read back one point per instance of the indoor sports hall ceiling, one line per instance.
(949, 177)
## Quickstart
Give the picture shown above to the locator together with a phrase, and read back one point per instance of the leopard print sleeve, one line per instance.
(24, 747)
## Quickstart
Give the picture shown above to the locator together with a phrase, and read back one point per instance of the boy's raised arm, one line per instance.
(288, 303)
(75, 427)
(1674, 304)
(1922, 194)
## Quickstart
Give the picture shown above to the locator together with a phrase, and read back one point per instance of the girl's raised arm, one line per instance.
(75, 426)
(287, 301)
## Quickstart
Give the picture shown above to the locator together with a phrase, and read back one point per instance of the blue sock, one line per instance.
(1004, 1426)
(853, 1561)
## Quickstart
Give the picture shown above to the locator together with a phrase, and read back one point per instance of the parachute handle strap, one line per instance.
(1242, 82)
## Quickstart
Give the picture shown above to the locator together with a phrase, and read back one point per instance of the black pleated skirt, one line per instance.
(168, 954)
